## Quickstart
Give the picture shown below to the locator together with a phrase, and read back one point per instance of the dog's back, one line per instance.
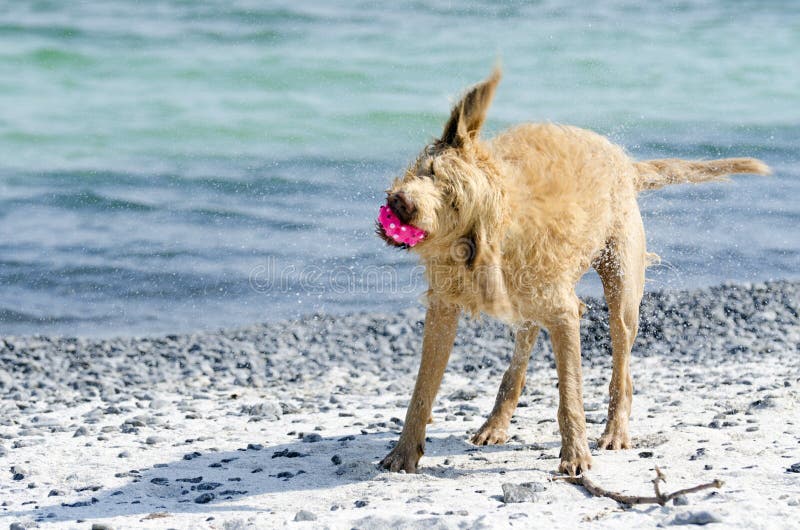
(566, 188)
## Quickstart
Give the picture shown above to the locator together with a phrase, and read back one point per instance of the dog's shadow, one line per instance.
(202, 482)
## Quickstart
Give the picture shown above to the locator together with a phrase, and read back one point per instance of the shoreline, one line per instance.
(285, 417)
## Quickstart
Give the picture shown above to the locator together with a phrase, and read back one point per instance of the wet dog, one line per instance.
(511, 224)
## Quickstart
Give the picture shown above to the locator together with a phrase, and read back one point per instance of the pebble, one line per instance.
(312, 438)
(680, 500)
(700, 517)
(204, 498)
(192, 480)
(305, 515)
(81, 431)
(525, 492)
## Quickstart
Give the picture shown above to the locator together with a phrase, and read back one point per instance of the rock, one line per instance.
(153, 440)
(192, 455)
(208, 486)
(158, 404)
(794, 468)
(361, 503)
(286, 453)
(81, 431)
(700, 517)
(192, 480)
(680, 500)
(265, 410)
(305, 515)
(101, 526)
(463, 395)
(160, 481)
(525, 492)
(124, 454)
(336, 460)
(205, 498)
(254, 447)
(312, 437)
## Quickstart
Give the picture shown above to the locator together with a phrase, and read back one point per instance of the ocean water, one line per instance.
(173, 165)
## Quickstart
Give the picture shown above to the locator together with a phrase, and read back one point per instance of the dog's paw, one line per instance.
(575, 459)
(614, 439)
(490, 433)
(404, 457)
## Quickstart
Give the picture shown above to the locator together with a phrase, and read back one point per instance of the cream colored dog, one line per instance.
(513, 223)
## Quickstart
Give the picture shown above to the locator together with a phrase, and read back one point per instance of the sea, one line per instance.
(174, 166)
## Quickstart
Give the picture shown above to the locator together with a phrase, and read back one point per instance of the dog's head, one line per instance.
(452, 190)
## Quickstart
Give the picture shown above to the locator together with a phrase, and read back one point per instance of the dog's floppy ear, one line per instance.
(469, 113)
(484, 262)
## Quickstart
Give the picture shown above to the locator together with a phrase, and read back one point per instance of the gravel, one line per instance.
(740, 321)
(740, 341)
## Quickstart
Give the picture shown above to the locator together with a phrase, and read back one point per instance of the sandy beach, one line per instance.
(283, 423)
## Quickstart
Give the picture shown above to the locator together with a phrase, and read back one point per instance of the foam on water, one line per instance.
(169, 166)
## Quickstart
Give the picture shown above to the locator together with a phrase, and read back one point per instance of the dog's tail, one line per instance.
(655, 174)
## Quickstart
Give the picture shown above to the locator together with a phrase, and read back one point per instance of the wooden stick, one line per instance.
(660, 498)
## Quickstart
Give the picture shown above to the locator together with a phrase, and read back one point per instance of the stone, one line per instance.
(680, 500)
(525, 492)
(305, 515)
(700, 517)
(80, 431)
(205, 498)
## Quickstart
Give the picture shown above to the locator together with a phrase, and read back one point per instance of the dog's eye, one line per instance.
(454, 206)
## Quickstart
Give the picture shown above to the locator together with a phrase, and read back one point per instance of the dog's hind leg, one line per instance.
(441, 322)
(495, 429)
(621, 269)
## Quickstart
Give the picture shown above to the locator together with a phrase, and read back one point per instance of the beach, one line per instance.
(283, 423)
(200, 329)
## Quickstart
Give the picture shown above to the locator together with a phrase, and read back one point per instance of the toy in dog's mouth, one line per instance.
(395, 232)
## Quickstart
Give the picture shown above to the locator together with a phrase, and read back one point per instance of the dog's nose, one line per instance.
(402, 207)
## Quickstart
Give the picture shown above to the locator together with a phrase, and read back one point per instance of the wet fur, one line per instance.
(513, 223)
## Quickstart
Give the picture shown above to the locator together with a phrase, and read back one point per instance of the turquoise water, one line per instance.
(179, 165)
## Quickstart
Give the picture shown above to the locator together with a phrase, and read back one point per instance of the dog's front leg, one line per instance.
(495, 429)
(565, 336)
(441, 322)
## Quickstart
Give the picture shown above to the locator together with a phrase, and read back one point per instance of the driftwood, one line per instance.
(660, 498)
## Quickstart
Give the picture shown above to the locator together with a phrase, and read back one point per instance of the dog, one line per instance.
(512, 223)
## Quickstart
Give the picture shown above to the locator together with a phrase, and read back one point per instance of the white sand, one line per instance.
(458, 486)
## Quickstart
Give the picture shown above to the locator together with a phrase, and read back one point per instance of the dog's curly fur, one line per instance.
(513, 223)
